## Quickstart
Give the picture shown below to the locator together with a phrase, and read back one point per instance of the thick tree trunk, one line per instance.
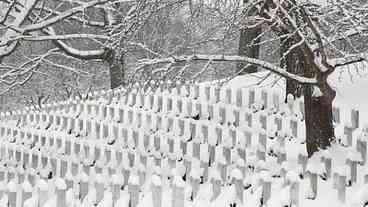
(318, 121)
(318, 116)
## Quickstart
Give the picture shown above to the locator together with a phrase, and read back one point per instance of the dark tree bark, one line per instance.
(248, 46)
(247, 37)
(318, 121)
(318, 112)
(116, 68)
(115, 58)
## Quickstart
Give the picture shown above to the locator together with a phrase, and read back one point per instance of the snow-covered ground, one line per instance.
(258, 170)
(351, 88)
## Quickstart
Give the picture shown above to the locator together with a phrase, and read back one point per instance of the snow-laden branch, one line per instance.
(231, 58)
(75, 18)
(350, 59)
(20, 75)
(64, 15)
(71, 51)
(144, 47)
(348, 34)
(21, 16)
(81, 54)
(5, 42)
(8, 11)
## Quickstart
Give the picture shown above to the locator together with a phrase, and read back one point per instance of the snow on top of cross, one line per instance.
(42, 185)
(156, 180)
(60, 184)
(12, 186)
(27, 186)
(353, 155)
(133, 179)
(178, 182)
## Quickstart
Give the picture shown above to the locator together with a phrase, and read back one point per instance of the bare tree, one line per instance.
(94, 30)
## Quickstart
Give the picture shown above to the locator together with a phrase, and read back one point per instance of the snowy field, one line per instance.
(189, 147)
(349, 85)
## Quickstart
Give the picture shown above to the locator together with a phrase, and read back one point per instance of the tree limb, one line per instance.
(232, 58)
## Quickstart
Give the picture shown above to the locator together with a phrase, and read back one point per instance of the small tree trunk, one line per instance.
(292, 64)
(248, 46)
(116, 65)
(114, 58)
(246, 38)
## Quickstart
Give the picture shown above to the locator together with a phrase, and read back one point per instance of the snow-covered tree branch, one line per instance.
(230, 58)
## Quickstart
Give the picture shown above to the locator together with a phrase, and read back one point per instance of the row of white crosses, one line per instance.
(153, 122)
(183, 107)
(138, 116)
(226, 138)
(102, 95)
(159, 142)
(48, 166)
(150, 121)
(206, 94)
